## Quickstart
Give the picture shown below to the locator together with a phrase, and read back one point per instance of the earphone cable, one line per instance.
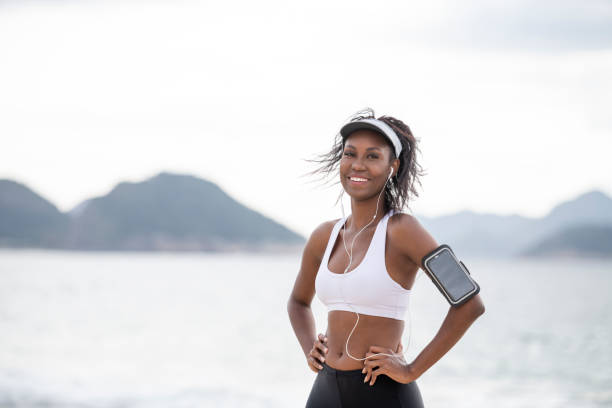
(345, 271)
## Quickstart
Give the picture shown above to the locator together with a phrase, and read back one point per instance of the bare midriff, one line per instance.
(370, 331)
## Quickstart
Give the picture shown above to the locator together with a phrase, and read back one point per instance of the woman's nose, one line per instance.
(357, 165)
(358, 162)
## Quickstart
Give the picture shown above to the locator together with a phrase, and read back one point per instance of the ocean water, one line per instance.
(135, 330)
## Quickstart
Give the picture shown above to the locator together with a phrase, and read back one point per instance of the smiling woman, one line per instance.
(368, 284)
(401, 189)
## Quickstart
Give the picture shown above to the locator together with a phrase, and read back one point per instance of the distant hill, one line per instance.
(171, 211)
(590, 208)
(27, 219)
(577, 240)
(183, 212)
(490, 235)
(165, 212)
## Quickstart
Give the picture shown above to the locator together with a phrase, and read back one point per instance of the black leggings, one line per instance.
(345, 389)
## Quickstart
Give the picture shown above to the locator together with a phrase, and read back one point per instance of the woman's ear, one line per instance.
(395, 166)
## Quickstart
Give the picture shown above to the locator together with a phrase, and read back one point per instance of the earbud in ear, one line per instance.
(390, 172)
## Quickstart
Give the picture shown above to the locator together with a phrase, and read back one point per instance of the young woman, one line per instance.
(362, 267)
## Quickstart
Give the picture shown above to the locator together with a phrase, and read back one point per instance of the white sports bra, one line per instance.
(367, 289)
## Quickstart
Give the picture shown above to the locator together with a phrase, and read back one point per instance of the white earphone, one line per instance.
(350, 254)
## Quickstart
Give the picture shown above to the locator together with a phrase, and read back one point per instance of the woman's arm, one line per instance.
(415, 242)
(456, 323)
(298, 306)
(454, 326)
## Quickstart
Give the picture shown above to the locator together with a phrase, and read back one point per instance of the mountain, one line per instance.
(183, 212)
(490, 235)
(27, 219)
(171, 211)
(165, 212)
(577, 240)
(78, 209)
(590, 208)
(479, 234)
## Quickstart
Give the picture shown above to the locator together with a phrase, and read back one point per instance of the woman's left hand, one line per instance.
(394, 367)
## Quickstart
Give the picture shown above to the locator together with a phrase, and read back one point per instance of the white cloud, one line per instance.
(95, 93)
(544, 26)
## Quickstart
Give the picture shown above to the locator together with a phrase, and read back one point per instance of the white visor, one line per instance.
(376, 125)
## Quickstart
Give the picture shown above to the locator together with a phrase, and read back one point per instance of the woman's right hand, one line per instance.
(316, 356)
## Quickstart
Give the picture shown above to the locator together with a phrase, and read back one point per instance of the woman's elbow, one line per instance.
(294, 304)
(472, 308)
(477, 306)
(290, 305)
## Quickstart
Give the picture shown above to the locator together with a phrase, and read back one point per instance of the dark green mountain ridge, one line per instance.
(27, 219)
(183, 212)
(165, 212)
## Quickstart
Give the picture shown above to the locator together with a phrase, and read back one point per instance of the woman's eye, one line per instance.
(374, 156)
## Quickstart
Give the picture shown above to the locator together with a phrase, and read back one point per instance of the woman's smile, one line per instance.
(357, 181)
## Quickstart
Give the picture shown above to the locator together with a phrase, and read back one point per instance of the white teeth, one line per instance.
(358, 179)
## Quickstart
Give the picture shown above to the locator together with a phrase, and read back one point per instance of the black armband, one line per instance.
(450, 275)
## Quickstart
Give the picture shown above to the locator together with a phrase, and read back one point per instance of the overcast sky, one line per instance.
(510, 100)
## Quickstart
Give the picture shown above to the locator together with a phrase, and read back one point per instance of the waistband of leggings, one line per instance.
(340, 373)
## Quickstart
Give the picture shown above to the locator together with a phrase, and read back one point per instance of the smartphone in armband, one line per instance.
(450, 275)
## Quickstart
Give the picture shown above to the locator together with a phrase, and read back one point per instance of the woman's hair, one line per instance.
(400, 189)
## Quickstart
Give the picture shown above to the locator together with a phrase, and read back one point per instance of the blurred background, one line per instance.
(154, 196)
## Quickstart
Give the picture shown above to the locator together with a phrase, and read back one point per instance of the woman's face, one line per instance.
(366, 155)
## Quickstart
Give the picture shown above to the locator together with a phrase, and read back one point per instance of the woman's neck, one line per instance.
(362, 213)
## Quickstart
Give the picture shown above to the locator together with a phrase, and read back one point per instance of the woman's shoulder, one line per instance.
(407, 234)
(402, 219)
(324, 229)
(320, 236)
(404, 224)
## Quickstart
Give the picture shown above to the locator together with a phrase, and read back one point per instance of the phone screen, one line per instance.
(450, 275)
